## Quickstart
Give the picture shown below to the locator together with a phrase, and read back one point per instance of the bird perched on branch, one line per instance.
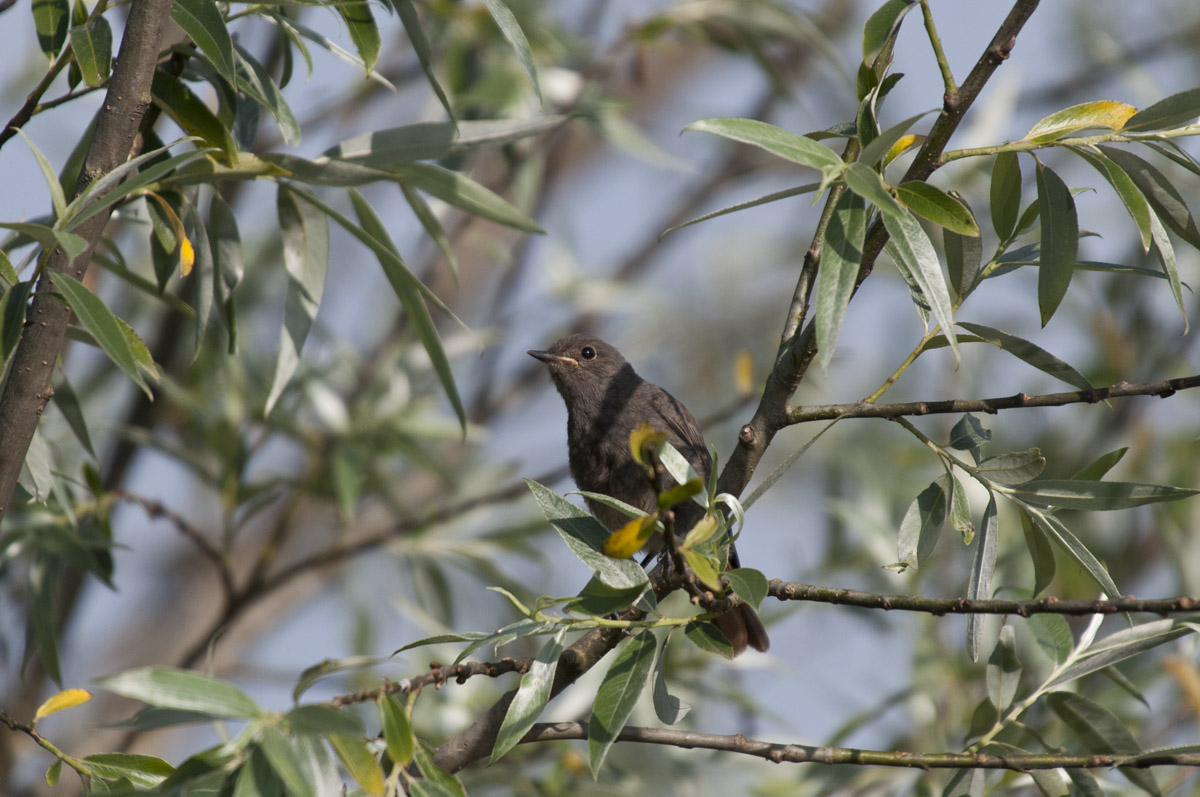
(605, 401)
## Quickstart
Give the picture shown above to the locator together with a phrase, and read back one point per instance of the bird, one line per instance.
(606, 400)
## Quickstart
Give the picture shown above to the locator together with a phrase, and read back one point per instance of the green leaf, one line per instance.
(968, 434)
(1166, 256)
(1164, 198)
(840, 261)
(867, 183)
(937, 206)
(748, 584)
(287, 762)
(67, 402)
(882, 144)
(882, 26)
(50, 20)
(397, 730)
(168, 687)
(784, 466)
(92, 45)
(669, 708)
(511, 29)
(964, 255)
(1126, 189)
(191, 114)
(913, 253)
(113, 187)
(1003, 670)
(433, 226)
(1100, 731)
(202, 21)
(983, 565)
(1098, 496)
(960, 511)
(922, 524)
(104, 327)
(360, 762)
(708, 638)
(435, 140)
(1005, 194)
(1014, 467)
(437, 782)
(532, 696)
(1031, 353)
(1054, 528)
(618, 693)
(228, 262)
(585, 536)
(57, 196)
(200, 282)
(1060, 241)
(257, 83)
(7, 273)
(1108, 114)
(145, 771)
(598, 599)
(14, 305)
(317, 719)
(1174, 111)
(1040, 552)
(460, 191)
(1123, 644)
(329, 666)
(49, 237)
(363, 31)
(1101, 465)
(43, 584)
(410, 299)
(305, 232)
(753, 203)
(784, 143)
(1053, 635)
(420, 43)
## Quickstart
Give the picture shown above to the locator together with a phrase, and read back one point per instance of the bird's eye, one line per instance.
(587, 352)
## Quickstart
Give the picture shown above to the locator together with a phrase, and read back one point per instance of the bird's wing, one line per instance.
(683, 431)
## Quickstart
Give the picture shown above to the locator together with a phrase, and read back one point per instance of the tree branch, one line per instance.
(864, 409)
(806, 754)
(794, 591)
(28, 387)
(438, 674)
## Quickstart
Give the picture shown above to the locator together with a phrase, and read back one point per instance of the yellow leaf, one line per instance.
(904, 144)
(743, 373)
(187, 256)
(702, 532)
(680, 493)
(643, 436)
(67, 698)
(705, 568)
(629, 539)
(1108, 114)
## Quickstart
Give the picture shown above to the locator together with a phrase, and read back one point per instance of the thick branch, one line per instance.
(28, 387)
(793, 591)
(805, 754)
(863, 409)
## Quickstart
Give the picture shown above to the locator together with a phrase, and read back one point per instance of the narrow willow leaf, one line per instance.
(1098, 496)
(202, 21)
(922, 524)
(420, 43)
(167, 687)
(1174, 111)
(1166, 256)
(201, 281)
(1054, 528)
(61, 701)
(363, 31)
(1060, 241)
(50, 20)
(841, 257)
(917, 257)
(762, 200)
(669, 708)
(1101, 465)
(360, 762)
(188, 111)
(1040, 552)
(1108, 114)
(867, 183)
(1053, 636)
(460, 191)
(48, 237)
(437, 782)
(1124, 644)
(784, 466)
(1003, 670)
(585, 536)
(145, 771)
(287, 762)
(784, 143)
(1101, 731)
(1164, 198)
(103, 326)
(964, 256)
(937, 206)
(410, 299)
(92, 45)
(532, 696)
(432, 225)
(329, 666)
(504, 19)
(884, 143)
(256, 81)
(113, 187)
(1005, 194)
(435, 140)
(960, 511)
(623, 683)
(14, 305)
(882, 26)
(1031, 353)
(983, 565)
(228, 263)
(1127, 190)
(397, 730)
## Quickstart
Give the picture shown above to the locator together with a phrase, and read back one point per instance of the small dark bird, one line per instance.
(605, 400)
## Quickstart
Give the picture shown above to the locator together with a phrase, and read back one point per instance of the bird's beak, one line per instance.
(552, 359)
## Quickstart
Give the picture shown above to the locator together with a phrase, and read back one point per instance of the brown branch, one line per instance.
(793, 591)
(155, 509)
(28, 387)
(806, 754)
(438, 675)
(864, 409)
